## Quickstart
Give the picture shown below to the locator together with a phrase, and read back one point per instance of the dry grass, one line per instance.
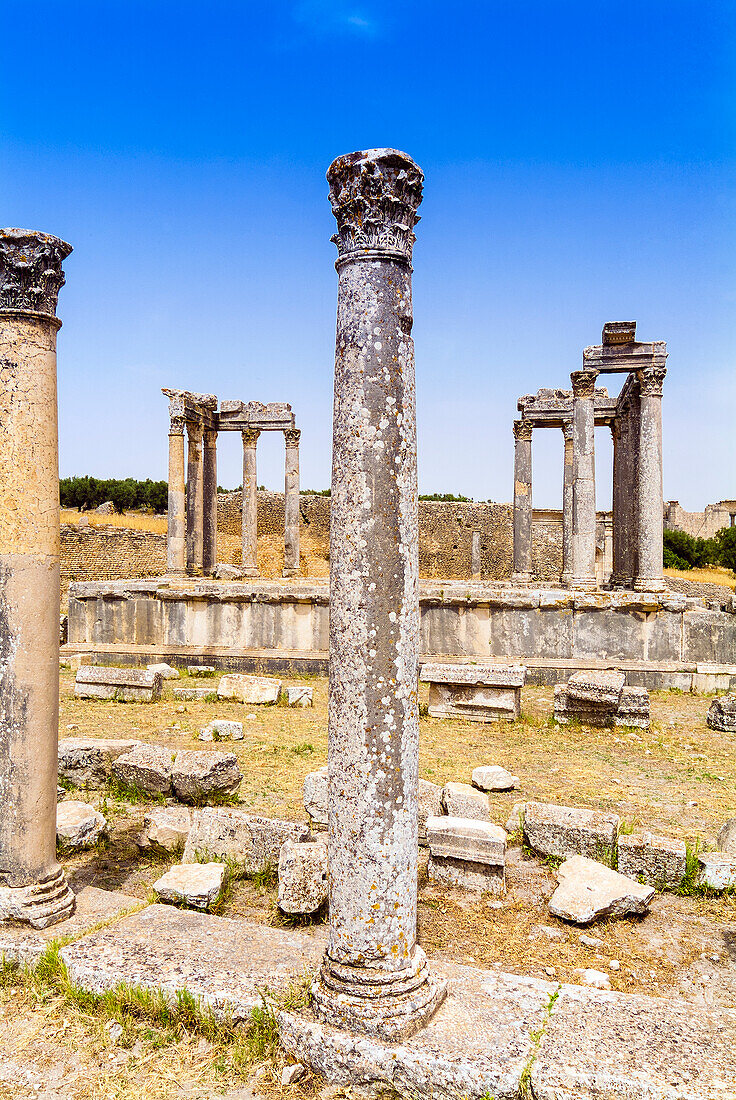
(714, 574)
(136, 521)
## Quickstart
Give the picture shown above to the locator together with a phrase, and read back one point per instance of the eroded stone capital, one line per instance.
(292, 436)
(194, 431)
(583, 383)
(30, 270)
(568, 429)
(523, 430)
(651, 380)
(177, 425)
(375, 195)
(250, 436)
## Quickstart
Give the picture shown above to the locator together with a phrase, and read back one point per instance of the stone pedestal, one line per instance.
(176, 530)
(291, 503)
(649, 575)
(583, 489)
(209, 493)
(522, 502)
(33, 888)
(250, 503)
(195, 500)
(374, 977)
(567, 498)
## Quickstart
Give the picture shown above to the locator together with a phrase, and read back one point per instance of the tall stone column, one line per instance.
(195, 500)
(291, 502)
(522, 501)
(176, 527)
(567, 497)
(583, 486)
(33, 888)
(250, 502)
(621, 575)
(209, 499)
(475, 556)
(374, 977)
(649, 574)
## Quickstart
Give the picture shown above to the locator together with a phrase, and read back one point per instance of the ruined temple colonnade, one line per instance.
(191, 545)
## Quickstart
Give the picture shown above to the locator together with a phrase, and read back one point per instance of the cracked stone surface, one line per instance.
(589, 891)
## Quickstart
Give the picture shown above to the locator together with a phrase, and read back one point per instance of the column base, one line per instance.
(521, 578)
(290, 571)
(649, 584)
(249, 570)
(388, 1005)
(583, 584)
(566, 579)
(46, 902)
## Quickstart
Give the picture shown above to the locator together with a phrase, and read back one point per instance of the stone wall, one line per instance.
(701, 525)
(109, 553)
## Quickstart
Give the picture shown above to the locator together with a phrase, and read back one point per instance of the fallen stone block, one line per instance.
(315, 796)
(255, 690)
(717, 870)
(197, 775)
(225, 572)
(659, 861)
(302, 876)
(222, 730)
(722, 713)
(165, 830)
(477, 692)
(193, 695)
(563, 831)
(168, 672)
(299, 696)
(589, 891)
(491, 777)
(462, 800)
(598, 689)
(195, 884)
(601, 699)
(254, 843)
(78, 826)
(466, 853)
(125, 685)
(201, 670)
(87, 761)
(147, 768)
(727, 838)
(429, 804)
(633, 709)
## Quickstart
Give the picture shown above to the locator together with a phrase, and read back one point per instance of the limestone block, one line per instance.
(126, 685)
(466, 839)
(249, 689)
(727, 838)
(87, 761)
(196, 884)
(165, 829)
(197, 775)
(467, 875)
(201, 670)
(515, 822)
(563, 831)
(588, 891)
(633, 708)
(193, 695)
(78, 826)
(659, 861)
(167, 671)
(429, 804)
(462, 800)
(254, 843)
(722, 713)
(147, 767)
(717, 870)
(224, 572)
(492, 777)
(221, 729)
(302, 876)
(315, 796)
(299, 696)
(596, 688)
(478, 693)
(79, 660)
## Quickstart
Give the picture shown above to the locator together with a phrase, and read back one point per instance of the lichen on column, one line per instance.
(374, 976)
(33, 888)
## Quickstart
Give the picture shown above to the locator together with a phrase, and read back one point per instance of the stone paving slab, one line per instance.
(224, 962)
(21, 944)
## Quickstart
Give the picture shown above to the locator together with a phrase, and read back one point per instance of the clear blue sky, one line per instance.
(579, 161)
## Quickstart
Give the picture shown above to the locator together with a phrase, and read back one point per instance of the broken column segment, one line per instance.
(374, 977)
(33, 888)
(522, 501)
(291, 502)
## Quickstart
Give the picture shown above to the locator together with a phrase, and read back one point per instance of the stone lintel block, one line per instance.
(87, 761)
(596, 688)
(563, 831)
(491, 675)
(467, 875)
(127, 685)
(462, 800)
(474, 703)
(253, 843)
(717, 870)
(467, 839)
(249, 689)
(168, 672)
(659, 861)
(315, 795)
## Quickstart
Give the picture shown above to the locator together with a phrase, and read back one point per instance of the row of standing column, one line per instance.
(291, 502)
(523, 514)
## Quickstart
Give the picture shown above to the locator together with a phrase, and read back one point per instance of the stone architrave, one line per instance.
(291, 502)
(650, 575)
(209, 495)
(250, 502)
(567, 499)
(33, 888)
(374, 977)
(195, 499)
(522, 501)
(583, 497)
(176, 531)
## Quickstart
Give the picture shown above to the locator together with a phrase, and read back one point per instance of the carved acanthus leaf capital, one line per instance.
(292, 436)
(30, 270)
(651, 380)
(523, 430)
(583, 383)
(375, 195)
(250, 436)
(177, 425)
(568, 430)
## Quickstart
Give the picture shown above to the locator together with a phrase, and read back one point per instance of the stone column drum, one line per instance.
(250, 502)
(567, 496)
(650, 575)
(195, 500)
(583, 489)
(522, 501)
(176, 528)
(209, 495)
(33, 888)
(291, 502)
(374, 977)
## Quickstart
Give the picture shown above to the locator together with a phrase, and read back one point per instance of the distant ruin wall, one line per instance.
(701, 525)
(109, 553)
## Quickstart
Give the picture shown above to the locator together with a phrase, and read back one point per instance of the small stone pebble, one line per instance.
(591, 941)
(181, 709)
(614, 964)
(290, 1074)
(594, 978)
(549, 971)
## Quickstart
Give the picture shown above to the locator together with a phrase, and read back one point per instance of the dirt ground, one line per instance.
(679, 778)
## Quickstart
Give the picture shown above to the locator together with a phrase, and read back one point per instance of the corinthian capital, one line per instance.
(583, 383)
(30, 270)
(650, 381)
(375, 195)
(523, 430)
(250, 436)
(292, 436)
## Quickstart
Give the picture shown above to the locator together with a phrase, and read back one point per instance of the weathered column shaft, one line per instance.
(649, 575)
(209, 499)
(291, 502)
(475, 569)
(32, 885)
(195, 500)
(583, 490)
(176, 527)
(374, 977)
(622, 503)
(250, 502)
(567, 502)
(523, 515)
